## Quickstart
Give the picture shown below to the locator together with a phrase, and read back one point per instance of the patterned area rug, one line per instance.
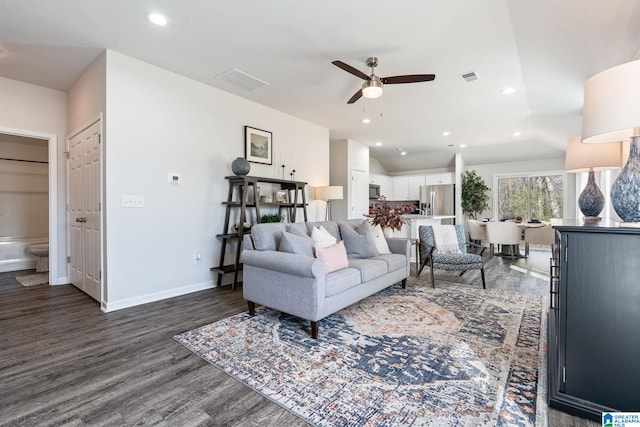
(33, 279)
(452, 356)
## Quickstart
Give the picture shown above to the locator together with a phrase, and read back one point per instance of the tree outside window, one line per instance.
(531, 197)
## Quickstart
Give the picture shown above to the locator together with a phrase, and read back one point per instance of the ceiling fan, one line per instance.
(372, 87)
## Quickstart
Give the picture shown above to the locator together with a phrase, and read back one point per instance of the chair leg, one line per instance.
(484, 285)
(252, 308)
(404, 283)
(491, 250)
(526, 250)
(433, 280)
(314, 330)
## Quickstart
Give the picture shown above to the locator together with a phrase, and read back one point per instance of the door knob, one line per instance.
(78, 220)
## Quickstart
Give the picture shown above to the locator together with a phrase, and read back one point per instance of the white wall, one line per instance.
(348, 155)
(157, 123)
(38, 110)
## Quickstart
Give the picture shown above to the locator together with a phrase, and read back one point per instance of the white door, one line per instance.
(84, 210)
(359, 194)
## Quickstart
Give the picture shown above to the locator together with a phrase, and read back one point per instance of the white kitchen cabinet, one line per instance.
(439, 178)
(400, 188)
(407, 187)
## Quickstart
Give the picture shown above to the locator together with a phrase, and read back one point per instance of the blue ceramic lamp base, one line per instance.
(591, 200)
(625, 191)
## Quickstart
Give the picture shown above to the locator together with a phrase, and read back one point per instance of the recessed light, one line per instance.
(446, 133)
(508, 90)
(157, 18)
(366, 120)
(378, 143)
(403, 153)
(517, 133)
(463, 145)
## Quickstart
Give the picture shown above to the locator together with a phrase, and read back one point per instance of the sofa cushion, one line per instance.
(341, 280)
(359, 241)
(322, 237)
(369, 268)
(298, 228)
(296, 244)
(381, 241)
(266, 236)
(330, 226)
(334, 257)
(394, 261)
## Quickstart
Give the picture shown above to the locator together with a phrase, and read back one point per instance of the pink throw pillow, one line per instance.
(334, 257)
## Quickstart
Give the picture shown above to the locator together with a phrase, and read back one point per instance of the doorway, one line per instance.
(52, 150)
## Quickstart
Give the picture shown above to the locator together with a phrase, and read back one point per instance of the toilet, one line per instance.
(41, 251)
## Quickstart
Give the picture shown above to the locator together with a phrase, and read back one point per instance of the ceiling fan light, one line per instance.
(372, 88)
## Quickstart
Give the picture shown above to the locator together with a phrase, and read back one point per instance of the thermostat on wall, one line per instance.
(174, 178)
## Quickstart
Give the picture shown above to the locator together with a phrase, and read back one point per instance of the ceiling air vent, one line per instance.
(469, 77)
(241, 79)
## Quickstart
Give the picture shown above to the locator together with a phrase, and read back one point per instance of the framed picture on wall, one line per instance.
(258, 146)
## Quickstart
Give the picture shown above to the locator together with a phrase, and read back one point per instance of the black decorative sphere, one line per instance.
(240, 166)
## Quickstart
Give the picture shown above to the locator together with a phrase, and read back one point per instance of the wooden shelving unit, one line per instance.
(240, 187)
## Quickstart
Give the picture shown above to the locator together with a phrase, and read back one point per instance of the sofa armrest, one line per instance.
(284, 262)
(399, 245)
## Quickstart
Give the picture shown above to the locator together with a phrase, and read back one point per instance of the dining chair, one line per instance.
(544, 235)
(504, 233)
(458, 261)
(477, 231)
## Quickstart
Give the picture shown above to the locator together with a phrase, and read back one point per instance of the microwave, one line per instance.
(374, 191)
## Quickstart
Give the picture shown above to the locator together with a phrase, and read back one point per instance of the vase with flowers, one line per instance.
(390, 217)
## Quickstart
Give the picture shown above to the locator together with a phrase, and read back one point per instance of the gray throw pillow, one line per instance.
(296, 244)
(359, 242)
(298, 228)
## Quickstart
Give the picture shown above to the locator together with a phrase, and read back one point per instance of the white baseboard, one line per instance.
(108, 306)
(60, 281)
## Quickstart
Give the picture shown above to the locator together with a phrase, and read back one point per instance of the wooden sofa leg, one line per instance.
(252, 308)
(404, 283)
(314, 329)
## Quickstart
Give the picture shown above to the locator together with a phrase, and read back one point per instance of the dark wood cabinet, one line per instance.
(594, 341)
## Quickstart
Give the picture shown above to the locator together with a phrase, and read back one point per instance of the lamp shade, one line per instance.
(585, 157)
(612, 104)
(329, 192)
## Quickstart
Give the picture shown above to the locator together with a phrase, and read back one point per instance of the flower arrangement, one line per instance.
(390, 216)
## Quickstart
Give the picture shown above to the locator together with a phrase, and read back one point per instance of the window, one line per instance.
(530, 197)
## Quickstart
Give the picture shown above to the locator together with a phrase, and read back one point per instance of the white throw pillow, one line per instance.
(322, 238)
(381, 242)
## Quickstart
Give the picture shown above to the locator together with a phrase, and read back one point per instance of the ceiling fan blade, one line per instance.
(349, 69)
(409, 78)
(355, 97)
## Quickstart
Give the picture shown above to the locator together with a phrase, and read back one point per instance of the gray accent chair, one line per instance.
(298, 285)
(463, 261)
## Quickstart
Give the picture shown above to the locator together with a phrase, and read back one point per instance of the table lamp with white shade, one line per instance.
(328, 193)
(590, 158)
(611, 113)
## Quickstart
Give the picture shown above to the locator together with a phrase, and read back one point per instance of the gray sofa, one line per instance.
(298, 285)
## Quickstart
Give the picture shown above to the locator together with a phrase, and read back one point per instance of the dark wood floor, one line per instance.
(64, 362)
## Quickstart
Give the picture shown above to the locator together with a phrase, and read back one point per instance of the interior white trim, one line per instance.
(108, 306)
(53, 195)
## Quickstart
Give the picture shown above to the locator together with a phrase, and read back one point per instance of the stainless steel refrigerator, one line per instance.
(438, 200)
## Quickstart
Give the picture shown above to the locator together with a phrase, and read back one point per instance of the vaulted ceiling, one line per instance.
(543, 49)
